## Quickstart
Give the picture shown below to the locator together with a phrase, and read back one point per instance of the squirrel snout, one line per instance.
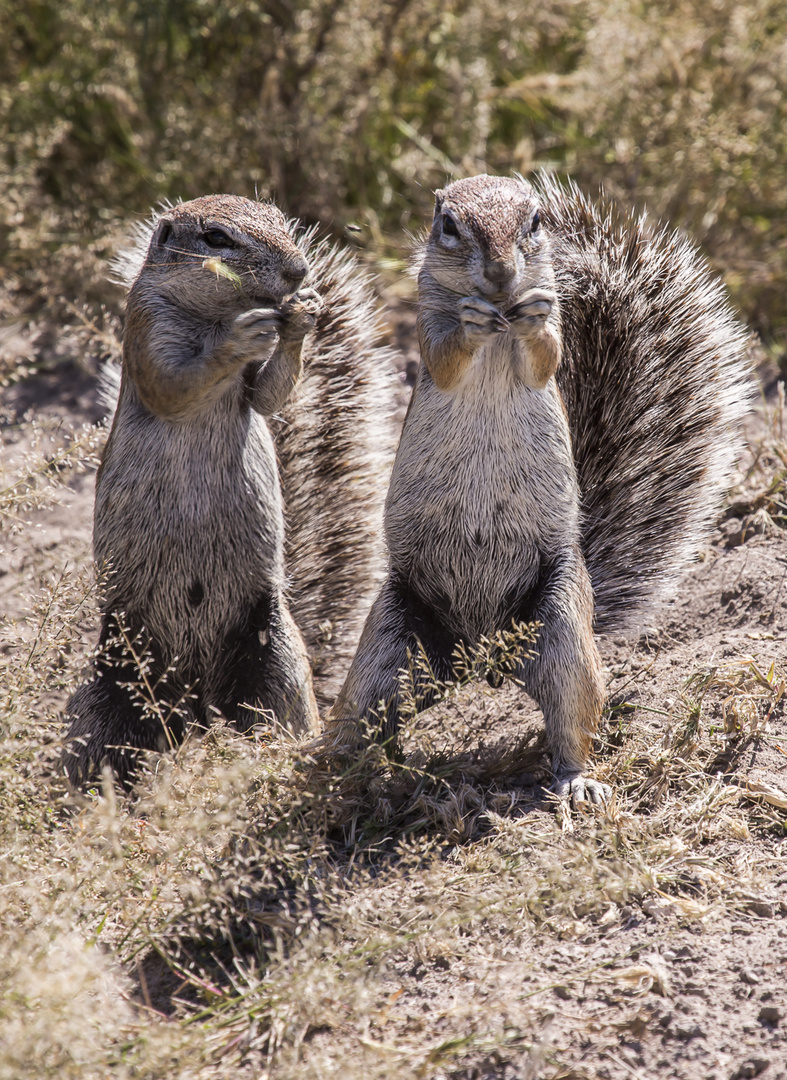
(294, 272)
(499, 272)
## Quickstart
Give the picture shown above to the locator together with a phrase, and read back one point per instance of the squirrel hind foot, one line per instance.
(580, 789)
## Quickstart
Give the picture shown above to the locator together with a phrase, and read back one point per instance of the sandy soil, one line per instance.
(653, 990)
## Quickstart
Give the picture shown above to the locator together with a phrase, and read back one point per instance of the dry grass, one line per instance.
(250, 912)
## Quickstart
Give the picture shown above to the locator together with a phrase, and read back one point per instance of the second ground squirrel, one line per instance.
(571, 432)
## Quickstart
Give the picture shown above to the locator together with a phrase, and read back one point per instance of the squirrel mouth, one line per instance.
(496, 296)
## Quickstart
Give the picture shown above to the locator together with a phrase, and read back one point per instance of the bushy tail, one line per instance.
(656, 383)
(335, 443)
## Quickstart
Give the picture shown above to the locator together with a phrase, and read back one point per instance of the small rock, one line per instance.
(748, 976)
(769, 1014)
(689, 1031)
(563, 993)
(750, 1067)
(732, 531)
(761, 908)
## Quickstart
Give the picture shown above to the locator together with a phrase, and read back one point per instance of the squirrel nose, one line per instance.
(295, 271)
(498, 271)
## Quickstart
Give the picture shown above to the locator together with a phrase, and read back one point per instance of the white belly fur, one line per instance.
(483, 489)
(179, 504)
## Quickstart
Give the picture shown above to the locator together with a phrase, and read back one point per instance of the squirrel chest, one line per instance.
(196, 526)
(483, 491)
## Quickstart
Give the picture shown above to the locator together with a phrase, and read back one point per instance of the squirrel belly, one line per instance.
(192, 569)
(472, 539)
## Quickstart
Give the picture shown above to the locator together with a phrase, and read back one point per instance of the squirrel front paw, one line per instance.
(255, 334)
(299, 314)
(480, 320)
(531, 311)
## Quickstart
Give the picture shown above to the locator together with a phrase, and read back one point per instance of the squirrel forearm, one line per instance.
(170, 383)
(540, 358)
(444, 349)
(275, 380)
(451, 335)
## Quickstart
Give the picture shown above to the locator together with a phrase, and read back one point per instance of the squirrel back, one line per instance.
(655, 380)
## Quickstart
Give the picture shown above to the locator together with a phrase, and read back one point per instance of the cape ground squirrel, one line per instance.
(571, 432)
(189, 517)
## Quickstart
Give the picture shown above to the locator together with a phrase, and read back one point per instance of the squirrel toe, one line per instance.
(579, 789)
(534, 306)
(481, 319)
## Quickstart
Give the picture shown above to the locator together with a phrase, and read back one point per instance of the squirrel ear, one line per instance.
(162, 233)
(439, 196)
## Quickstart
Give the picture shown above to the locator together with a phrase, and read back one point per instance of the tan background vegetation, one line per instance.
(353, 111)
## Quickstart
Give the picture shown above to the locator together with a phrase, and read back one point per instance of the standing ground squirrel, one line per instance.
(189, 522)
(517, 496)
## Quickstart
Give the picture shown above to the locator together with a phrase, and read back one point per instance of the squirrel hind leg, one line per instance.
(565, 678)
(112, 718)
(401, 634)
(265, 670)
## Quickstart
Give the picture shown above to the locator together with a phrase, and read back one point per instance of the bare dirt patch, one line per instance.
(458, 925)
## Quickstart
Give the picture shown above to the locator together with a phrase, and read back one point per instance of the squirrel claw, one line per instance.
(534, 306)
(299, 313)
(479, 318)
(310, 299)
(259, 323)
(581, 789)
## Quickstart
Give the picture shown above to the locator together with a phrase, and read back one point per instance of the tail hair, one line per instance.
(656, 381)
(335, 441)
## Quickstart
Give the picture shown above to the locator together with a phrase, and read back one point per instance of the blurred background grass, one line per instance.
(353, 111)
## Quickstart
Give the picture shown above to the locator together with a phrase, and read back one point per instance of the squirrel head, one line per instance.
(486, 239)
(221, 254)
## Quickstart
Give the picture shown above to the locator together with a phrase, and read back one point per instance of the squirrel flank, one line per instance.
(570, 436)
(189, 519)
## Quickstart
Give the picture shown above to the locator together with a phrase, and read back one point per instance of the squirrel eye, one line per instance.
(163, 234)
(449, 226)
(535, 222)
(218, 238)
